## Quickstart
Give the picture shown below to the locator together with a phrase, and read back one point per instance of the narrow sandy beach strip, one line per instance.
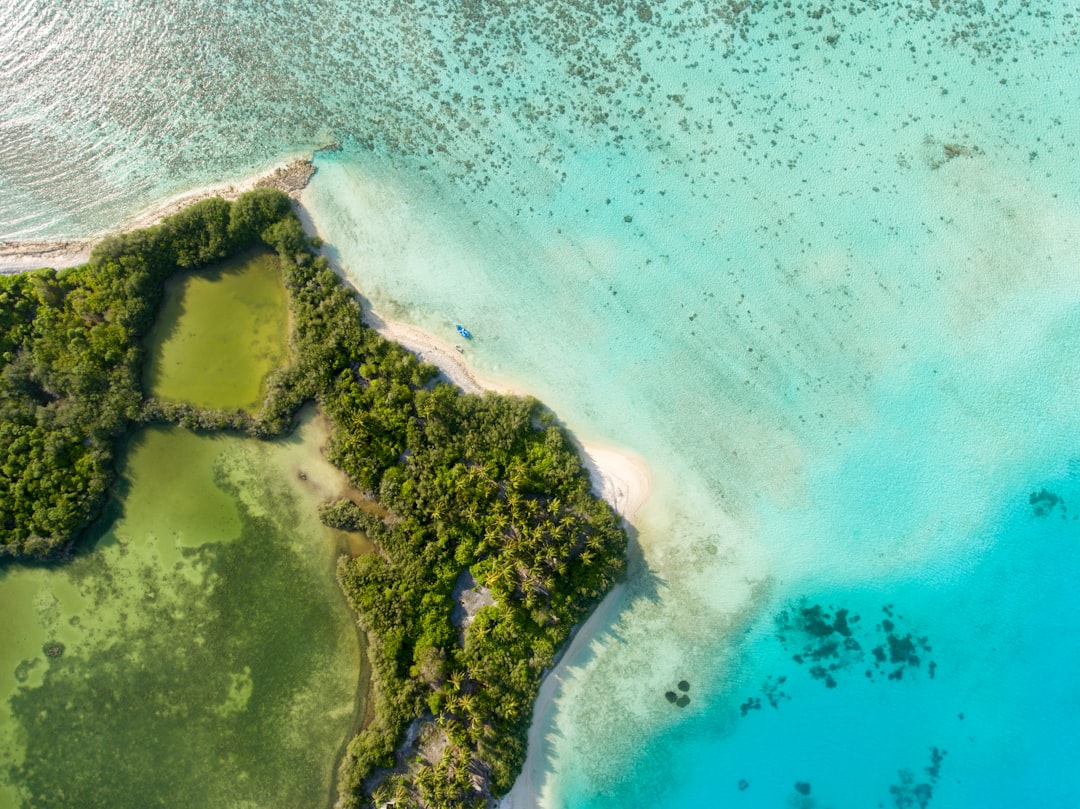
(619, 477)
(20, 256)
(430, 349)
(526, 792)
(16, 257)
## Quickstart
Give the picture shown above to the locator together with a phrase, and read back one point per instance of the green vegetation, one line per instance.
(475, 492)
(71, 352)
(487, 484)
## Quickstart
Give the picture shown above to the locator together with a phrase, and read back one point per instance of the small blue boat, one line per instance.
(464, 332)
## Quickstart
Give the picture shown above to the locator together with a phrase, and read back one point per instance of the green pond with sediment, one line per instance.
(219, 333)
(198, 652)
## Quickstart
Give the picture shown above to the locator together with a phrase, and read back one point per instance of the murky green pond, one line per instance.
(200, 655)
(219, 333)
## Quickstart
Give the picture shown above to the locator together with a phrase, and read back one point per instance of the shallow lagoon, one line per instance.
(219, 333)
(208, 657)
(197, 652)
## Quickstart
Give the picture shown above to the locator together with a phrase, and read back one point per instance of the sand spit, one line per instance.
(16, 257)
(619, 477)
(19, 256)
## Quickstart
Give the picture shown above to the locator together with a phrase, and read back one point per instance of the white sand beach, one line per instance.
(621, 478)
(434, 351)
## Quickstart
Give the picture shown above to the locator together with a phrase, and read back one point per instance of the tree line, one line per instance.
(485, 485)
(71, 353)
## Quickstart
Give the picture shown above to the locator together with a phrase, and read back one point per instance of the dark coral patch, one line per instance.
(53, 649)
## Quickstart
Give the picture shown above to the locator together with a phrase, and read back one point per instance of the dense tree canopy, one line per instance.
(459, 492)
(70, 358)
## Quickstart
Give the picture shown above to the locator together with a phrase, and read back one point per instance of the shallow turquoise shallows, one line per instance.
(818, 264)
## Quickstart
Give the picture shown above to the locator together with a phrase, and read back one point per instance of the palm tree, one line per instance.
(468, 704)
(381, 796)
(510, 708)
(457, 677)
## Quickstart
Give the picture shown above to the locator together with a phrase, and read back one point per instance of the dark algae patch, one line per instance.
(831, 643)
(204, 680)
(917, 789)
(1044, 503)
(681, 698)
(828, 641)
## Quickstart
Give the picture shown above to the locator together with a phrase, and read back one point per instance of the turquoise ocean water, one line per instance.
(818, 264)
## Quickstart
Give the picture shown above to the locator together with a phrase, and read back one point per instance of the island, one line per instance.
(484, 542)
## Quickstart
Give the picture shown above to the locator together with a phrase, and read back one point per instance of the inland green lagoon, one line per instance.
(219, 333)
(197, 652)
(200, 653)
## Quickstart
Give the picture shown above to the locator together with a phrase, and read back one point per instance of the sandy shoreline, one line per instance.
(430, 349)
(526, 792)
(617, 476)
(620, 478)
(20, 256)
